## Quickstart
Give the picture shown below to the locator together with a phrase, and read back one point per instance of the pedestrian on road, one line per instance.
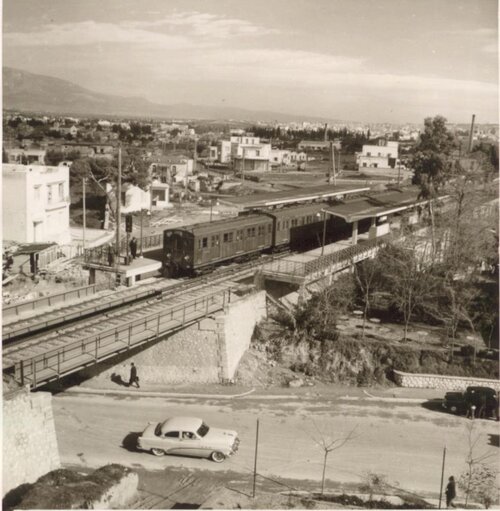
(133, 247)
(451, 492)
(133, 376)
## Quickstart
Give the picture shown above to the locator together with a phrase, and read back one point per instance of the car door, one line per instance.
(169, 441)
(191, 444)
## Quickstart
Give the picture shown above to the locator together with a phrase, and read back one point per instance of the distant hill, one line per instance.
(29, 92)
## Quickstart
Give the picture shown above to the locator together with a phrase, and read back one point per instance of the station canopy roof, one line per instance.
(373, 206)
(270, 199)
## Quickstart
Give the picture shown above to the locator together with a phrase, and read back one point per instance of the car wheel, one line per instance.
(218, 457)
(157, 452)
(453, 409)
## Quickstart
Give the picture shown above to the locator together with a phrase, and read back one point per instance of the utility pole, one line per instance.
(442, 478)
(142, 212)
(243, 167)
(331, 173)
(471, 135)
(84, 214)
(195, 157)
(255, 459)
(118, 208)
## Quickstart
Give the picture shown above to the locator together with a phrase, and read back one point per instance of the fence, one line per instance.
(348, 255)
(73, 356)
(48, 301)
(101, 255)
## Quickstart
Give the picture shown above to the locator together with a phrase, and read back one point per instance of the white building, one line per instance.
(35, 203)
(26, 156)
(382, 156)
(159, 195)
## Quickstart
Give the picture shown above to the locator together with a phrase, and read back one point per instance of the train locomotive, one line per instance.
(198, 248)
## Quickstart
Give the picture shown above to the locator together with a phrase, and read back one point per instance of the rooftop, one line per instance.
(321, 192)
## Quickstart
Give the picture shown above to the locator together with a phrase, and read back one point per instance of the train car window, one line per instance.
(225, 239)
(253, 232)
(239, 235)
(228, 237)
(294, 222)
(269, 228)
(279, 226)
(214, 241)
(204, 242)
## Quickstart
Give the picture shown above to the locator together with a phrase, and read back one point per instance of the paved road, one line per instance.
(402, 440)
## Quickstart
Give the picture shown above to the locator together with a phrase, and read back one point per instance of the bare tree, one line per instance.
(329, 443)
(407, 278)
(479, 480)
(367, 274)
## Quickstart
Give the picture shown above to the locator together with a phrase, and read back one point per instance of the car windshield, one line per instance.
(203, 430)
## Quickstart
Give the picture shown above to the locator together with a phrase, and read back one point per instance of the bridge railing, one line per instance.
(50, 300)
(302, 269)
(66, 359)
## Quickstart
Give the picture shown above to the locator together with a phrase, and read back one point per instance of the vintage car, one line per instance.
(188, 436)
(460, 402)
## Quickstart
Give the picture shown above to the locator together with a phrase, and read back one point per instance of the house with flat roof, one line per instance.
(35, 203)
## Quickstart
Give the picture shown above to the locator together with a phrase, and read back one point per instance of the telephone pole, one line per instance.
(84, 214)
(118, 208)
(471, 135)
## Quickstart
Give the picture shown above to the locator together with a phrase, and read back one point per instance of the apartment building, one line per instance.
(36, 203)
(381, 156)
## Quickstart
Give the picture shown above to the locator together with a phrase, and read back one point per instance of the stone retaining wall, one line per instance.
(207, 352)
(437, 381)
(29, 438)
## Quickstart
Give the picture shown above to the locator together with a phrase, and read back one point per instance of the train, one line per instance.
(199, 248)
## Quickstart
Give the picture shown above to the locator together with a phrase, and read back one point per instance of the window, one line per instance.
(269, 228)
(215, 241)
(37, 192)
(49, 194)
(204, 242)
(368, 153)
(159, 195)
(172, 434)
(228, 237)
(251, 232)
(239, 235)
(257, 153)
(61, 191)
(278, 228)
(294, 222)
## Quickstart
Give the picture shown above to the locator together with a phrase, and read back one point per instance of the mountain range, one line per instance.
(28, 92)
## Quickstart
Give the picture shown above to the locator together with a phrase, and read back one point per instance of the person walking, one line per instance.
(451, 492)
(133, 248)
(133, 376)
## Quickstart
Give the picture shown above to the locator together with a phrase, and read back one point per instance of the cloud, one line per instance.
(179, 30)
(209, 25)
(91, 32)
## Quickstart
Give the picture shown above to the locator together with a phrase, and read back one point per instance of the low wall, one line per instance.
(29, 438)
(207, 352)
(437, 381)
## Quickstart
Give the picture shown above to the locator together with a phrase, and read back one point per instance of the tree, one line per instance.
(479, 480)
(329, 443)
(432, 163)
(53, 157)
(100, 171)
(319, 316)
(406, 277)
(367, 275)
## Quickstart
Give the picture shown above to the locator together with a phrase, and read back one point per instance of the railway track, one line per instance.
(89, 319)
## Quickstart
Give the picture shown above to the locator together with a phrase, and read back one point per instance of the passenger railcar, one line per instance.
(195, 248)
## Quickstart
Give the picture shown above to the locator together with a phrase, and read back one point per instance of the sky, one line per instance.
(359, 60)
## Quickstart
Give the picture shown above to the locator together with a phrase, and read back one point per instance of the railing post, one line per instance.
(96, 347)
(33, 367)
(58, 363)
(158, 327)
(129, 335)
(22, 372)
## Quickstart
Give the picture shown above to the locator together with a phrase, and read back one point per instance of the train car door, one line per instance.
(227, 249)
(239, 243)
(215, 247)
(203, 249)
(250, 240)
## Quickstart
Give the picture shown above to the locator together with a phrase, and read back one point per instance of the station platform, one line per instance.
(129, 274)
